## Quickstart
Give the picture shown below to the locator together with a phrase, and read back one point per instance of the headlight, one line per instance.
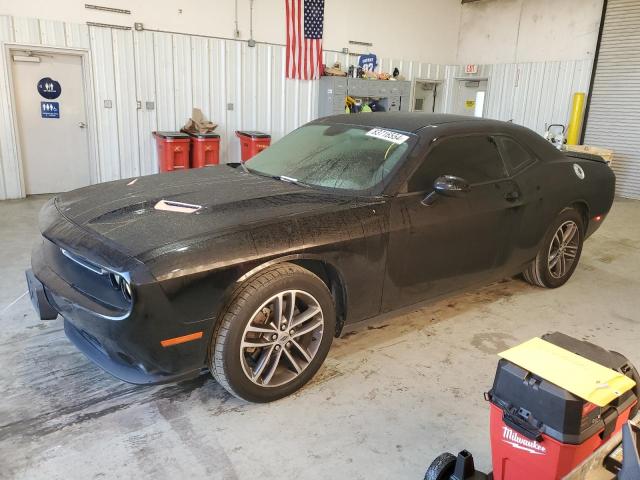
(120, 283)
(115, 280)
(126, 289)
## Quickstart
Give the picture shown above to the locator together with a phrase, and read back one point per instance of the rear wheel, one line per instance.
(560, 252)
(274, 334)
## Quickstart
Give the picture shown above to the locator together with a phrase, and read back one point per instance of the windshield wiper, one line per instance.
(284, 178)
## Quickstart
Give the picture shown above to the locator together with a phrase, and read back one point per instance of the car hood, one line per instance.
(125, 211)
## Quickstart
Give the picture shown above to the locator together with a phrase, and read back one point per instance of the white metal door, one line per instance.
(424, 94)
(51, 115)
(470, 97)
(613, 119)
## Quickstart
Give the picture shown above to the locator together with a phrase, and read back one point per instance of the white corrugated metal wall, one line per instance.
(531, 94)
(236, 86)
(614, 119)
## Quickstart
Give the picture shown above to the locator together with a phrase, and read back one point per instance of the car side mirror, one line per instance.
(451, 186)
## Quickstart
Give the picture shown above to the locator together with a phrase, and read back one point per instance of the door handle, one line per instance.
(512, 196)
(82, 125)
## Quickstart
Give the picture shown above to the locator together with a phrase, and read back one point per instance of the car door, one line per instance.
(524, 172)
(444, 243)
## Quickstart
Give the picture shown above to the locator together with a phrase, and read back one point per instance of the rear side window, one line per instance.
(473, 158)
(515, 155)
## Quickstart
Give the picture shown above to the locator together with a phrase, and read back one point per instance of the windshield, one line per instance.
(346, 157)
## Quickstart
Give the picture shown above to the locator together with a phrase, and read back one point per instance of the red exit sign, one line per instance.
(471, 69)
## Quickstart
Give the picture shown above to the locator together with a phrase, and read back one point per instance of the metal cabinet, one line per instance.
(395, 95)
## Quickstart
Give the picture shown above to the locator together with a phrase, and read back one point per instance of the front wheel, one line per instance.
(274, 334)
(560, 252)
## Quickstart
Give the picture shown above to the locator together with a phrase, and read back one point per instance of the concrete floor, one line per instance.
(392, 395)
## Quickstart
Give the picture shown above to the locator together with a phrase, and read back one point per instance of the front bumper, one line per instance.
(39, 299)
(119, 365)
(122, 338)
(125, 367)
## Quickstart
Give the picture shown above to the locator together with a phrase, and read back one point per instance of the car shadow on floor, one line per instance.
(422, 316)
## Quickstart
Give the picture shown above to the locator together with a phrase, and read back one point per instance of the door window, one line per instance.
(479, 108)
(473, 158)
(514, 154)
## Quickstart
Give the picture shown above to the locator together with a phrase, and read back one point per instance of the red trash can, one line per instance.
(252, 143)
(205, 149)
(173, 150)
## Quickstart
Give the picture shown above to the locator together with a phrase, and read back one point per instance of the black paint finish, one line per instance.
(377, 252)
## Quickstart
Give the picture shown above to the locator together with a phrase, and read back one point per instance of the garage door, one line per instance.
(614, 113)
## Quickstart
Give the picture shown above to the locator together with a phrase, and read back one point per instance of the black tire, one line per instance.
(225, 350)
(441, 468)
(538, 272)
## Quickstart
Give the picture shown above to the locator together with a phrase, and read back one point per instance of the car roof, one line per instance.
(405, 121)
(432, 126)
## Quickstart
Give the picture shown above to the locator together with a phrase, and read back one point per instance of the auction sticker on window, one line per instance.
(387, 135)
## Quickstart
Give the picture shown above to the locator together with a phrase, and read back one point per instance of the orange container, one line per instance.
(173, 150)
(252, 143)
(205, 149)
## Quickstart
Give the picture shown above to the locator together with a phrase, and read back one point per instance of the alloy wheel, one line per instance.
(563, 249)
(282, 338)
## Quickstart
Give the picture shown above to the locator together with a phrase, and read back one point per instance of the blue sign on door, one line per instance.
(49, 88)
(49, 109)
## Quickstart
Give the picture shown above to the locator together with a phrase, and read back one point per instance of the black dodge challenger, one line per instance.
(250, 270)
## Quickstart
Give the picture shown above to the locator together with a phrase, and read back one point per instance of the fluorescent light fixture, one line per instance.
(364, 44)
(107, 9)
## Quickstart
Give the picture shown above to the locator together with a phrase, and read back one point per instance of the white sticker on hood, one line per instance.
(387, 135)
(578, 171)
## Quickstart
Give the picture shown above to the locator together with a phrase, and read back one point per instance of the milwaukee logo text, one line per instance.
(521, 443)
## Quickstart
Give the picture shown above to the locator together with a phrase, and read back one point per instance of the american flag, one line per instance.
(305, 21)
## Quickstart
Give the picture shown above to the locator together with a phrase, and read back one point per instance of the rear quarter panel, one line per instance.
(596, 190)
(561, 186)
(551, 185)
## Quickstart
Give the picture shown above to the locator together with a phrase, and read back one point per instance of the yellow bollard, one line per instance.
(575, 123)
